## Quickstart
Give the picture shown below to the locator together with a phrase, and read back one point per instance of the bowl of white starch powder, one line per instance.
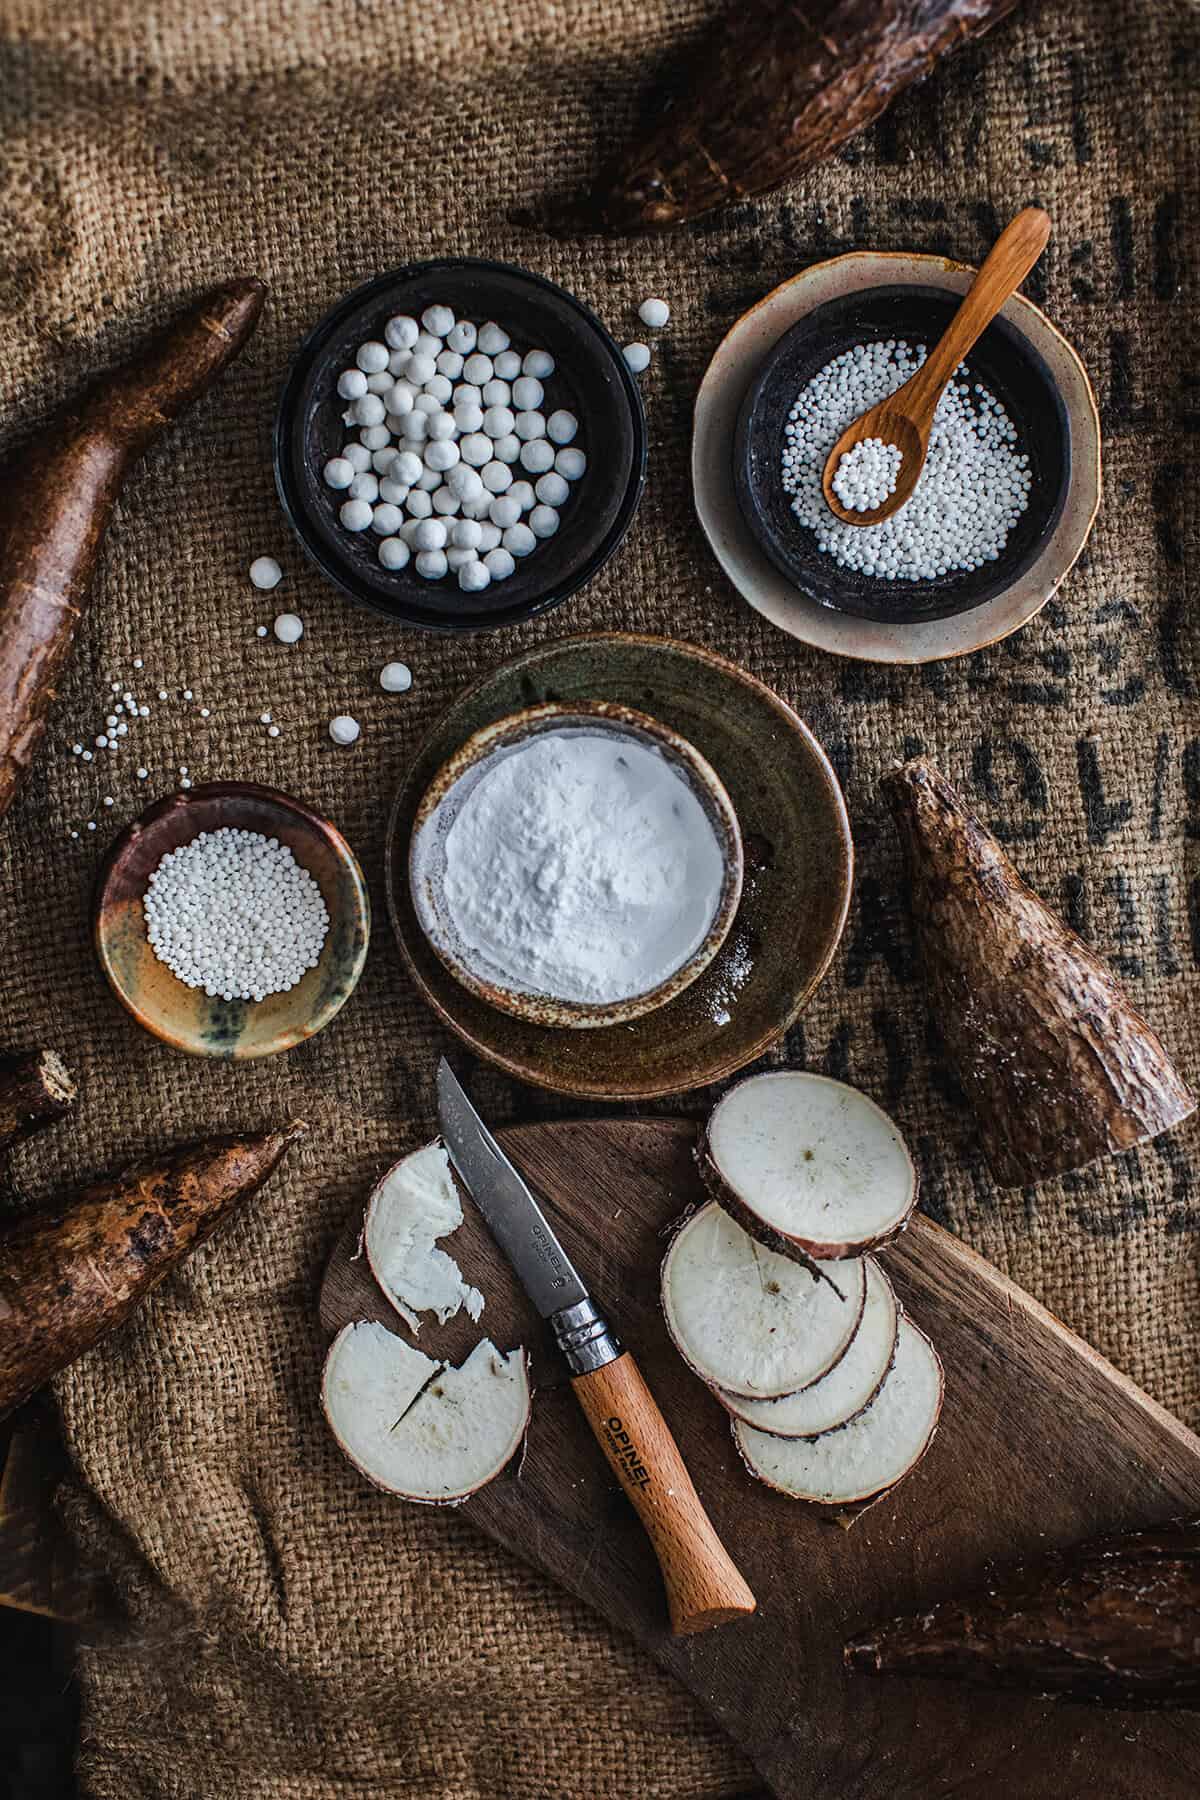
(994, 482)
(576, 865)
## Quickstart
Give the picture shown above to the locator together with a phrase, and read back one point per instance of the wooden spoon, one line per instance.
(905, 418)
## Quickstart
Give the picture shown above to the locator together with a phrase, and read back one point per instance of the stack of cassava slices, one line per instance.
(773, 1301)
(417, 1425)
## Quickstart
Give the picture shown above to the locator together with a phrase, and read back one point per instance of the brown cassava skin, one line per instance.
(1115, 1622)
(1058, 1065)
(68, 1277)
(35, 1089)
(57, 496)
(773, 90)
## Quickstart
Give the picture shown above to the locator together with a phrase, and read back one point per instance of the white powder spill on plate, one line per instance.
(578, 864)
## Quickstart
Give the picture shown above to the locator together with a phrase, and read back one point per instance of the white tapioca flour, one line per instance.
(580, 865)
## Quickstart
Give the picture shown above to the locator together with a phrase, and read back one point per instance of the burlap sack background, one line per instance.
(293, 1633)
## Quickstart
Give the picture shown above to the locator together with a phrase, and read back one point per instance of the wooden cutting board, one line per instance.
(1041, 1443)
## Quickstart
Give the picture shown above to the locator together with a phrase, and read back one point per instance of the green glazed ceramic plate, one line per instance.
(799, 867)
(186, 1017)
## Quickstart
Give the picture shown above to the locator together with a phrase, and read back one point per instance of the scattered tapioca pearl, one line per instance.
(637, 357)
(88, 756)
(504, 511)
(474, 576)
(265, 572)
(343, 729)
(355, 515)
(654, 312)
(543, 521)
(538, 363)
(74, 834)
(394, 553)
(352, 384)
(91, 824)
(499, 563)
(537, 456)
(552, 489)
(143, 712)
(529, 426)
(188, 694)
(401, 332)
(289, 628)
(571, 463)
(462, 337)
(137, 662)
(272, 731)
(518, 540)
(431, 564)
(76, 749)
(102, 741)
(143, 774)
(438, 320)
(372, 357)
(259, 631)
(395, 678)
(493, 338)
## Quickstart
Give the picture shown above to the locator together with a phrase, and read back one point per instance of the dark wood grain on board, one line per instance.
(1042, 1443)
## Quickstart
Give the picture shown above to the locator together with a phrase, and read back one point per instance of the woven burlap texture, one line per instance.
(295, 1635)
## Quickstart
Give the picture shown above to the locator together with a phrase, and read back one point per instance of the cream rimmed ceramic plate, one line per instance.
(729, 374)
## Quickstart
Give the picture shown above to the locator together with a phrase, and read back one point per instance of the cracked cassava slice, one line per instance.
(749, 1321)
(415, 1204)
(421, 1429)
(809, 1166)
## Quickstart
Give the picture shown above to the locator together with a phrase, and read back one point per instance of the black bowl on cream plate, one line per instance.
(591, 379)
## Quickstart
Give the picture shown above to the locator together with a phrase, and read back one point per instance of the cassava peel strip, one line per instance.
(36, 1089)
(1057, 1063)
(773, 90)
(57, 496)
(68, 1277)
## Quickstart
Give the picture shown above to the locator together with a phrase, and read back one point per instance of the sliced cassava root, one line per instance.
(773, 90)
(57, 496)
(861, 1461)
(807, 1165)
(850, 1386)
(420, 1429)
(748, 1321)
(66, 1278)
(415, 1204)
(35, 1089)
(1058, 1065)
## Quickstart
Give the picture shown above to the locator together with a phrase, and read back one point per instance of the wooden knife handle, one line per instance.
(703, 1586)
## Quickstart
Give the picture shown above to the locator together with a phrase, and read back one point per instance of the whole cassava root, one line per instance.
(35, 1089)
(57, 495)
(68, 1277)
(1115, 1622)
(1058, 1065)
(772, 90)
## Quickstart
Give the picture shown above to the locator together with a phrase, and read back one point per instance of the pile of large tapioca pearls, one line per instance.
(458, 464)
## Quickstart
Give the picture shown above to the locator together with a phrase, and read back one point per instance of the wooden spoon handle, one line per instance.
(1001, 274)
(703, 1586)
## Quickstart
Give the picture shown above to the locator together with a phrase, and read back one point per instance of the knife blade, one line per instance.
(704, 1586)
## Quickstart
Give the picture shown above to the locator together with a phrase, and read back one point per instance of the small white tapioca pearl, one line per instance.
(381, 383)
(372, 356)
(498, 421)
(432, 564)
(456, 556)
(421, 368)
(527, 393)
(442, 427)
(365, 486)
(344, 730)
(474, 576)
(89, 756)
(357, 455)
(467, 394)
(265, 573)
(375, 437)
(537, 456)
(518, 540)
(561, 426)
(507, 365)
(476, 449)
(414, 428)
(441, 455)
(543, 521)
(499, 563)
(395, 678)
(493, 338)
(496, 477)
(401, 332)
(143, 774)
(504, 511)
(449, 363)
(394, 553)
(438, 320)
(407, 467)
(352, 384)
(419, 504)
(399, 399)
(394, 493)
(430, 535)
(654, 313)
(462, 337)
(289, 628)
(464, 482)
(637, 357)
(370, 410)
(496, 392)
(356, 515)
(530, 426)
(408, 530)
(382, 460)
(386, 520)
(445, 502)
(429, 479)
(551, 488)
(427, 404)
(427, 345)
(489, 536)
(538, 363)
(465, 534)
(440, 388)
(478, 369)
(523, 494)
(398, 361)
(468, 417)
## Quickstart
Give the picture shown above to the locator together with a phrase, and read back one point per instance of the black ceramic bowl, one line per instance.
(591, 379)
(1002, 359)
